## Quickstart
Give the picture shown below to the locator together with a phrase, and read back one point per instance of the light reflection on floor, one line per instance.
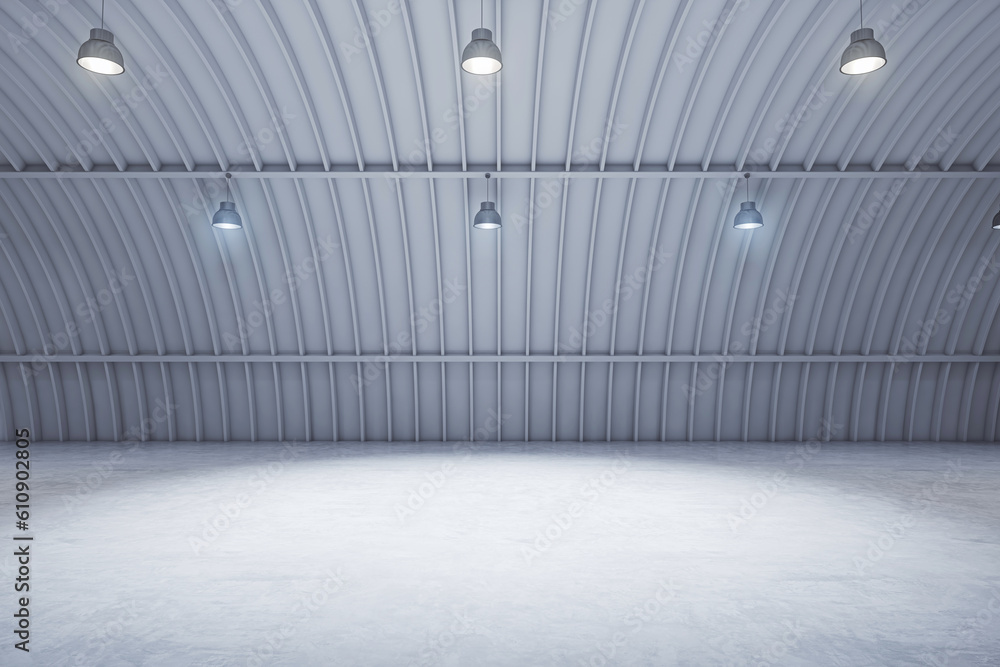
(525, 555)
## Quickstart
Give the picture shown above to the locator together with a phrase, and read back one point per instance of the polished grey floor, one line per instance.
(707, 554)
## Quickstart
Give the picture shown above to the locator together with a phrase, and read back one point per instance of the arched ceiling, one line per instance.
(617, 302)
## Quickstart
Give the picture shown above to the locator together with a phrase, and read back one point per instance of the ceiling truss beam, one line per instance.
(705, 358)
(547, 171)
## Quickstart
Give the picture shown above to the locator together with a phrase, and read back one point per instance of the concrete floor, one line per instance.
(406, 555)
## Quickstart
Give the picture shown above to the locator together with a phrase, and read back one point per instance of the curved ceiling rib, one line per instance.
(8, 432)
(456, 68)
(381, 301)
(8, 151)
(175, 293)
(307, 220)
(757, 323)
(297, 76)
(469, 322)
(47, 110)
(605, 143)
(138, 267)
(58, 390)
(988, 154)
(736, 84)
(972, 85)
(379, 85)
(80, 213)
(716, 36)
(323, 31)
(219, 79)
(887, 94)
(888, 271)
(148, 90)
(941, 75)
(617, 300)
(588, 281)
(680, 19)
(55, 374)
(42, 258)
(72, 255)
(846, 95)
(74, 97)
(817, 18)
(155, 43)
(916, 275)
(398, 187)
(31, 136)
(564, 201)
(253, 67)
(352, 298)
(537, 102)
(198, 266)
(676, 285)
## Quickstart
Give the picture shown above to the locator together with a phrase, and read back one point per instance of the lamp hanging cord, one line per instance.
(482, 13)
(747, 177)
(102, 14)
(862, 4)
(487, 188)
(229, 196)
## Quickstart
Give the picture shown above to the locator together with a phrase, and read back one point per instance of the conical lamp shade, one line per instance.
(482, 55)
(227, 217)
(100, 55)
(748, 217)
(864, 55)
(488, 217)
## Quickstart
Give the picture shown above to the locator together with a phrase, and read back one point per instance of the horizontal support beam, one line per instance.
(510, 171)
(499, 358)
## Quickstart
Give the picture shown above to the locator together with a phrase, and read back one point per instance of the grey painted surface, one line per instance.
(119, 266)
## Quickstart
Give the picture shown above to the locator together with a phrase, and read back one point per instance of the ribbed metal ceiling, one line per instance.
(616, 303)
